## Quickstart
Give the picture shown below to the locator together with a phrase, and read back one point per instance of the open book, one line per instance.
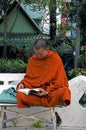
(28, 91)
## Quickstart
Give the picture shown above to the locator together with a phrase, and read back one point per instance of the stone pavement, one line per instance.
(25, 124)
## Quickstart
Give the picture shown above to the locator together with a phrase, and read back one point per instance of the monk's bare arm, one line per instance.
(43, 92)
(20, 86)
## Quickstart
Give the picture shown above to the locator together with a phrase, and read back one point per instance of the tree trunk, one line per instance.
(52, 10)
(77, 46)
(5, 29)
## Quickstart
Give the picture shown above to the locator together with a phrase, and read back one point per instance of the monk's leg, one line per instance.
(59, 96)
(56, 97)
(25, 101)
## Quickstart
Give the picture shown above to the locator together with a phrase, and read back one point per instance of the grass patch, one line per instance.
(37, 124)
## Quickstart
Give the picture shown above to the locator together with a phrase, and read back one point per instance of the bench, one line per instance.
(10, 80)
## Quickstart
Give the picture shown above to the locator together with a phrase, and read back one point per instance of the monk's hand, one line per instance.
(20, 86)
(42, 92)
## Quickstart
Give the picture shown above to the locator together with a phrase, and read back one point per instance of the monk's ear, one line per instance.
(47, 49)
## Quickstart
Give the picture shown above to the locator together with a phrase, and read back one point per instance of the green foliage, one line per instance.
(64, 49)
(24, 46)
(37, 125)
(81, 61)
(73, 72)
(28, 47)
(12, 66)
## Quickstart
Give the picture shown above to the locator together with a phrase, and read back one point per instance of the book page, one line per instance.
(28, 91)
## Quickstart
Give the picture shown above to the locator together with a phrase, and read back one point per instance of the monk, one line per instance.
(45, 71)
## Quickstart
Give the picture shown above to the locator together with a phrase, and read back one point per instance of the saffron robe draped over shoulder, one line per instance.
(48, 74)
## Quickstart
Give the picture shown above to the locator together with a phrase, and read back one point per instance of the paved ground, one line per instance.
(25, 124)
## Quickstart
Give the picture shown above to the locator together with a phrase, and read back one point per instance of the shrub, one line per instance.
(12, 66)
(73, 72)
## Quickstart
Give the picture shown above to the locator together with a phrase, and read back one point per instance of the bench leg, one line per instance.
(3, 117)
(53, 118)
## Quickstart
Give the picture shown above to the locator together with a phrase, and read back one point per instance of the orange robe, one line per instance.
(49, 74)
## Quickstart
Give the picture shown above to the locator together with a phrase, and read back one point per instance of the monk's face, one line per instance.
(41, 53)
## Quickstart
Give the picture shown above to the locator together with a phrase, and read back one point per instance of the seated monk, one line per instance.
(45, 71)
